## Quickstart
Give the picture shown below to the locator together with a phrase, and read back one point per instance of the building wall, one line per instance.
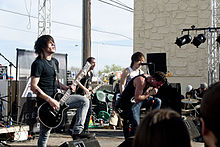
(157, 23)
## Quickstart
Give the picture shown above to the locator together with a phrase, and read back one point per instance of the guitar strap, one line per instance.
(55, 69)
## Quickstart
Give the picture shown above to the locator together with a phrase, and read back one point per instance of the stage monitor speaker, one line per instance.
(193, 131)
(92, 142)
(159, 62)
(127, 143)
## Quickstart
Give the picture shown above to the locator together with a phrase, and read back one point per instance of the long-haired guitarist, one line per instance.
(84, 88)
(138, 92)
(44, 83)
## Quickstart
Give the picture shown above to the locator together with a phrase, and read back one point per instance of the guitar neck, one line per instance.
(97, 87)
(75, 82)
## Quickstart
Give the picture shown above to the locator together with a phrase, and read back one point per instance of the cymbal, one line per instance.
(189, 101)
(197, 106)
(187, 110)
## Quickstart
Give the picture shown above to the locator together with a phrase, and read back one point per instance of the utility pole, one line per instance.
(86, 30)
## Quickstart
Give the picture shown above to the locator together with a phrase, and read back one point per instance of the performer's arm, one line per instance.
(139, 84)
(80, 84)
(123, 80)
(41, 94)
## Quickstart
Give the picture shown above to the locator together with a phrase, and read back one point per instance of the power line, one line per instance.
(112, 33)
(116, 6)
(121, 4)
(67, 24)
(112, 44)
(66, 38)
(11, 28)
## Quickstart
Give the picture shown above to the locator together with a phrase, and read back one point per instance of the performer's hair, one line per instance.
(90, 59)
(41, 44)
(137, 56)
(160, 76)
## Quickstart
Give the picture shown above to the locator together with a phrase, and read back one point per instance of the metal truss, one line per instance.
(213, 46)
(44, 17)
(213, 56)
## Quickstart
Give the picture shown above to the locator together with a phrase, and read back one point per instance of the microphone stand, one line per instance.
(149, 64)
(10, 88)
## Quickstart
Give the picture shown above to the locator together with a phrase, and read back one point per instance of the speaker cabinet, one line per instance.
(170, 95)
(92, 142)
(159, 62)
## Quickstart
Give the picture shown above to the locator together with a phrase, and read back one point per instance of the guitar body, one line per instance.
(48, 116)
(53, 118)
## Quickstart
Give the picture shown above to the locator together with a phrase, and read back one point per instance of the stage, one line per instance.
(105, 137)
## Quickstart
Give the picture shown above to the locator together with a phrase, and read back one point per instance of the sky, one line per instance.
(20, 31)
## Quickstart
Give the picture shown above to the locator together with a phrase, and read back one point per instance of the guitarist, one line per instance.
(44, 84)
(84, 88)
(139, 89)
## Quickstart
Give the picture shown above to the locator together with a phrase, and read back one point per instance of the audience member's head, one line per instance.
(210, 118)
(162, 128)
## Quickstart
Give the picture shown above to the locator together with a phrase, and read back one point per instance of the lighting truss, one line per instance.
(44, 17)
(212, 50)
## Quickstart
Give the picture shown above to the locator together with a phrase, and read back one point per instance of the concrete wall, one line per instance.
(157, 23)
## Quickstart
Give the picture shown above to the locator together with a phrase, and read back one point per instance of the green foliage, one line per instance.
(110, 69)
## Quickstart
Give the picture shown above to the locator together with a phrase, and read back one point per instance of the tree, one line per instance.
(109, 69)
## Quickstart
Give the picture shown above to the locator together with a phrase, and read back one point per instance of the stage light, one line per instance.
(218, 39)
(183, 40)
(198, 40)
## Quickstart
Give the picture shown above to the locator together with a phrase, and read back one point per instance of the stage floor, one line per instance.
(105, 137)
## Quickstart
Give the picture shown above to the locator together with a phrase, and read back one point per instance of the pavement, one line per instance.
(105, 137)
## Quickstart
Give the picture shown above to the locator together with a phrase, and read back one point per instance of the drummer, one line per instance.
(201, 91)
(190, 92)
(191, 95)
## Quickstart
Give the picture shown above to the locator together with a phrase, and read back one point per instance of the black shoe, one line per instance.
(91, 135)
(83, 135)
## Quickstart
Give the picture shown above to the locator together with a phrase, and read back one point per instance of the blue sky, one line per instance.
(19, 31)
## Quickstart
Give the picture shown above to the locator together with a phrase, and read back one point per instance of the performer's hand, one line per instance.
(153, 91)
(54, 103)
(73, 88)
(87, 91)
(93, 91)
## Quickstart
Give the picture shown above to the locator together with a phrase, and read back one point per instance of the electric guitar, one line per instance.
(52, 118)
(97, 87)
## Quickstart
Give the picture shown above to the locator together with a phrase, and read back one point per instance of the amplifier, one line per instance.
(92, 142)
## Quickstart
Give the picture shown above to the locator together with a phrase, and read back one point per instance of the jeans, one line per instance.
(86, 125)
(147, 104)
(74, 101)
(132, 116)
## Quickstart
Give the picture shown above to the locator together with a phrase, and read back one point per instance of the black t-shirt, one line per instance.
(85, 81)
(45, 70)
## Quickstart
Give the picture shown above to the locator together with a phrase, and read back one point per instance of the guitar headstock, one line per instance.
(82, 73)
(86, 67)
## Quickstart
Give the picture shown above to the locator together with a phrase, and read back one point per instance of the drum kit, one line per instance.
(190, 106)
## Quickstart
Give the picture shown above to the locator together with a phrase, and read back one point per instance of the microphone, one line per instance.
(150, 63)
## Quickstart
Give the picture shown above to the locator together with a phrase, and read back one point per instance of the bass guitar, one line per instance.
(52, 118)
